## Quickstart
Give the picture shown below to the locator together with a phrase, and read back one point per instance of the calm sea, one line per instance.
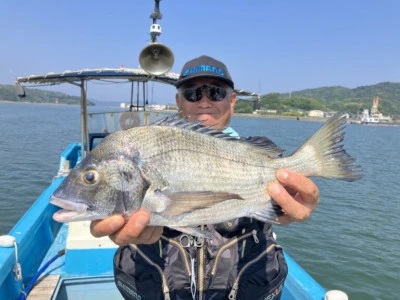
(351, 242)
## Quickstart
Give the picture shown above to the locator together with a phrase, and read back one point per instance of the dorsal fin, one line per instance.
(176, 121)
(263, 143)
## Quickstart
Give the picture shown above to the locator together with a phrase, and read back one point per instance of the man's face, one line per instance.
(214, 112)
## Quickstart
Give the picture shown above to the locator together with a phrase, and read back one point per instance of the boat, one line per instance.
(375, 117)
(43, 259)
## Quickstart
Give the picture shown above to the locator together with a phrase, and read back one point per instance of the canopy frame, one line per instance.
(81, 77)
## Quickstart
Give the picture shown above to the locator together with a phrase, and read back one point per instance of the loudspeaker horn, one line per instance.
(156, 59)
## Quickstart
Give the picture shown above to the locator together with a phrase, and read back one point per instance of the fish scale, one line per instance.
(176, 155)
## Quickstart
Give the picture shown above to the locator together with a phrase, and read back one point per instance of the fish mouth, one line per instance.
(71, 211)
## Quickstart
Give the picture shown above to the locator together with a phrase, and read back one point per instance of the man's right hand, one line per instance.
(134, 231)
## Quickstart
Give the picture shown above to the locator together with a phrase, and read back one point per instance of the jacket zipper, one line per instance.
(183, 254)
(233, 292)
(181, 250)
(149, 261)
(201, 268)
(230, 244)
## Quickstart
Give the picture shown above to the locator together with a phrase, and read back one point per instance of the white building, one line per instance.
(316, 113)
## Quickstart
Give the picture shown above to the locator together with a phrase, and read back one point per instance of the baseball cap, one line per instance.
(204, 66)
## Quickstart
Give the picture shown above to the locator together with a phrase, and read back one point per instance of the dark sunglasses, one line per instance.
(194, 94)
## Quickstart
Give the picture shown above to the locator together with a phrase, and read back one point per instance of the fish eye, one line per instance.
(90, 176)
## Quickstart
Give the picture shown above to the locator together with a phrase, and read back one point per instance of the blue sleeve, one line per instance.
(231, 132)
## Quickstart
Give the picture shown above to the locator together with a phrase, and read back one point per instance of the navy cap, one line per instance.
(204, 66)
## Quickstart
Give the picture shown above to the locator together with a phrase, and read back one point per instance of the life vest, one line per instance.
(242, 261)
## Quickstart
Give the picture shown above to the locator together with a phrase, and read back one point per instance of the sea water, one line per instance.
(351, 242)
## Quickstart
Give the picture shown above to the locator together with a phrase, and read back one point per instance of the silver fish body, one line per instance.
(186, 175)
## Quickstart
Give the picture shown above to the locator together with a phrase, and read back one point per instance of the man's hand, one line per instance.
(296, 194)
(134, 231)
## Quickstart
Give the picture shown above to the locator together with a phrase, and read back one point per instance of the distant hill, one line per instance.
(353, 100)
(8, 93)
(333, 98)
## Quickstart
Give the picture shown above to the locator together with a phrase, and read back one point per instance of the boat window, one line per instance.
(104, 123)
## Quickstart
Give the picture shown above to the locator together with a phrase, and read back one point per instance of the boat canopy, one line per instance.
(81, 77)
(96, 74)
(104, 74)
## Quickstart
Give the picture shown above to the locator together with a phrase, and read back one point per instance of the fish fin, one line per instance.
(328, 157)
(261, 143)
(265, 144)
(166, 120)
(195, 231)
(176, 121)
(155, 201)
(268, 214)
(184, 202)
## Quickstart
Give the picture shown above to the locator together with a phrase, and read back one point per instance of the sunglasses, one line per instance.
(214, 93)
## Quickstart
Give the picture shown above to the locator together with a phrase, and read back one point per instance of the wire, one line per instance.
(28, 288)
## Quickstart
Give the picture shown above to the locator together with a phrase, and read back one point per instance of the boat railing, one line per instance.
(102, 124)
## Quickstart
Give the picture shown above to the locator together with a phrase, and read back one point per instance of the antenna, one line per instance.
(155, 29)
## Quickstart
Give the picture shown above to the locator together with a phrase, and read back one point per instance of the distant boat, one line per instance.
(375, 117)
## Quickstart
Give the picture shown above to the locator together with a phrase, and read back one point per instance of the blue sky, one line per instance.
(268, 45)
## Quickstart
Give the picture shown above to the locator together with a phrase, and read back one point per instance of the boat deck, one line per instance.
(64, 278)
(45, 288)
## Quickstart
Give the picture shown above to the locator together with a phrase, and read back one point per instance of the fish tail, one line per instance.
(324, 153)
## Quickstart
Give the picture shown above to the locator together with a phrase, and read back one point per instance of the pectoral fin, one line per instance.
(174, 204)
(183, 202)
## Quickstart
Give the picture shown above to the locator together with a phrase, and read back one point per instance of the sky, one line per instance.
(268, 45)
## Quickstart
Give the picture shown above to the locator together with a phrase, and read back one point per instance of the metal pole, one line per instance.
(84, 124)
(131, 104)
(137, 96)
(144, 96)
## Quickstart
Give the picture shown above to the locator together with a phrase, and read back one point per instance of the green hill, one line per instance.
(350, 100)
(9, 93)
(333, 98)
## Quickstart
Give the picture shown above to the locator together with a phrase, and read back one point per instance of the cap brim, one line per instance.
(181, 81)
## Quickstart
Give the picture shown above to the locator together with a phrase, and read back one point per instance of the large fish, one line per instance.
(186, 174)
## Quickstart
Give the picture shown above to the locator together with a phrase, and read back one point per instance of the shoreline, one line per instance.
(280, 117)
(37, 103)
(238, 115)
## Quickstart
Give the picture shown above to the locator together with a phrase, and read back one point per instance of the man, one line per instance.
(210, 268)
